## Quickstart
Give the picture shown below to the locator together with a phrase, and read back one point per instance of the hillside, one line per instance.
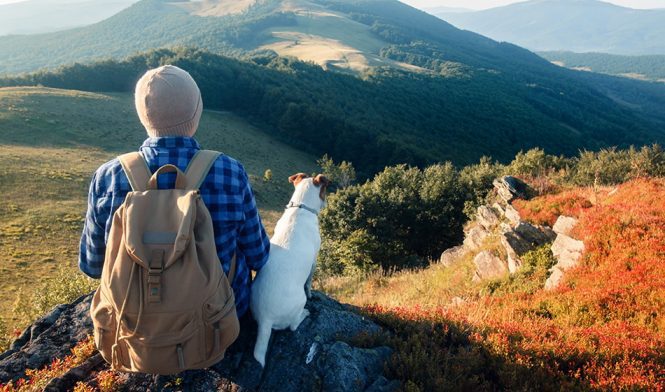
(569, 25)
(44, 16)
(305, 29)
(600, 329)
(51, 141)
(475, 96)
(637, 67)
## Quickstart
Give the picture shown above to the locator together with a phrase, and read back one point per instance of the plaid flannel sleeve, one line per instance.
(253, 240)
(93, 246)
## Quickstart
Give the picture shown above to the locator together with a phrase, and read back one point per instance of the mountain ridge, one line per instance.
(582, 26)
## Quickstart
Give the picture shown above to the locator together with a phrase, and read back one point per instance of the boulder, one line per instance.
(488, 266)
(564, 225)
(452, 255)
(319, 355)
(567, 251)
(475, 237)
(536, 235)
(509, 188)
(515, 247)
(512, 215)
(487, 217)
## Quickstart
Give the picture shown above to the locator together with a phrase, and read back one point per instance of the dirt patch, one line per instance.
(216, 7)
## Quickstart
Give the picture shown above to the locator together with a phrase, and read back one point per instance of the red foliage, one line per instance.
(603, 328)
(545, 210)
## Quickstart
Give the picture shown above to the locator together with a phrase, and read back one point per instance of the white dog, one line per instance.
(283, 285)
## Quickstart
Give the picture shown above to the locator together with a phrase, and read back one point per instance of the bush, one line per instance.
(402, 218)
(342, 175)
(4, 336)
(477, 181)
(63, 287)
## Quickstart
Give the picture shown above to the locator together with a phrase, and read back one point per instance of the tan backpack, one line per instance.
(164, 304)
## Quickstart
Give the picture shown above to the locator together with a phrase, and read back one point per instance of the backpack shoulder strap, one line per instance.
(198, 168)
(136, 169)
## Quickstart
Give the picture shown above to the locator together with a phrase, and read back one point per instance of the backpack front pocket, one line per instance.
(104, 330)
(222, 327)
(165, 353)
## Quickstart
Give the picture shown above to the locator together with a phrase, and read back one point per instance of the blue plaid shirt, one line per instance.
(226, 192)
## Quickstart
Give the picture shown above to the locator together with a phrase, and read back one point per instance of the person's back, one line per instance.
(169, 105)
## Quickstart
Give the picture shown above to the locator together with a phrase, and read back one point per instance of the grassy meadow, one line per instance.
(51, 141)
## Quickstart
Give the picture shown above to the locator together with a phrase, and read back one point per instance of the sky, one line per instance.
(483, 4)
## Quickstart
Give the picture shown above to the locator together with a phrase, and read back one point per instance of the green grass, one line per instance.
(51, 141)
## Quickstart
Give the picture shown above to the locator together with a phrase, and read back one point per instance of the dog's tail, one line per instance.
(262, 339)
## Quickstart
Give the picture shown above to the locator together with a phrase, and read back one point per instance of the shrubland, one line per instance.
(405, 217)
(601, 329)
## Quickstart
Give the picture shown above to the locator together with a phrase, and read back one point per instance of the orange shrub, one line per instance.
(545, 210)
(603, 328)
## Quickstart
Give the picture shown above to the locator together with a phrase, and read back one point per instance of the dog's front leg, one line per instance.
(308, 283)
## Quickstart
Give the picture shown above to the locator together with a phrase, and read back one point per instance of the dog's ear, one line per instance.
(296, 178)
(323, 182)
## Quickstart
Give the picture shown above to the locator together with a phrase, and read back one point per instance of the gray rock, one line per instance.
(567, 251)
(500, 208)
(512, 215)
(536, 235)
(475, 237)
(515, 246)
(554, 279)
(317, 356)
(564, 225)
(452, 255)
(488, 266)
(509, 188)
(487, 217)
(523, 238)
(50, 337)
(382, 384)
(345, 368)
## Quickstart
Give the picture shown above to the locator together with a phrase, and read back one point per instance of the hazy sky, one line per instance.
(481, 4)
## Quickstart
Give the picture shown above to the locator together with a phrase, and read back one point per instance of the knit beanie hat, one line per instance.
(168, 102)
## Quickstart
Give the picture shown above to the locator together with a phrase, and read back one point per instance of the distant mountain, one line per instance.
(43, 16)
(440, 9)
(410, 88)
(569, 25)
(636, 67)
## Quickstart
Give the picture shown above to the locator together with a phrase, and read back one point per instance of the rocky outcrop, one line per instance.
(509, 188)
(499, 222)
(318, 356)
(567, 251)
(524, 238)
(475, 237)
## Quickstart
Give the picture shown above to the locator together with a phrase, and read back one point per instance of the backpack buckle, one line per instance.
(155, 276)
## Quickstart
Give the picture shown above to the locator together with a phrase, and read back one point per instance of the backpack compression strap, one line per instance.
(198, 168)
(136, 170)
